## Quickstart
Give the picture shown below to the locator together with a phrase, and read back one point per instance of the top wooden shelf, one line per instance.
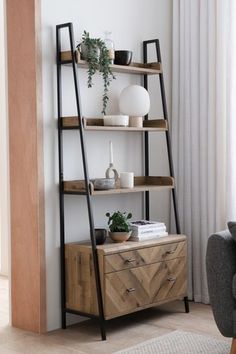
(134, 68)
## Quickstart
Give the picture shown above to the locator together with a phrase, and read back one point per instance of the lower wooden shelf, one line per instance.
(141, 184)
(134, 275)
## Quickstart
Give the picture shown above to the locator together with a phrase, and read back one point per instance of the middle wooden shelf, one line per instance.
(150, 125)
(141, 184)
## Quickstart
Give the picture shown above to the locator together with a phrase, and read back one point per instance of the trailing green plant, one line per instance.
(97, 56)
(119, 222)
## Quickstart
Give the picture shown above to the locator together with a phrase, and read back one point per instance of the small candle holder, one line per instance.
(127, 180)
(111, 171)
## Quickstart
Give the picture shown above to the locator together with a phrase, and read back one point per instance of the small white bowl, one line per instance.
(103, 183)
(116, 120)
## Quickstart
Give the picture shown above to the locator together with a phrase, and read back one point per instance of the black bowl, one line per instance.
(100, 235)
(123, 57)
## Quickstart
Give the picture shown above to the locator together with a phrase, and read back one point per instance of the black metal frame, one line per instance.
(100, 317)
(64, 310)
(168, 141)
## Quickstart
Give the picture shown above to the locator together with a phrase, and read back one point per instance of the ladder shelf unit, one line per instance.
(143, 184)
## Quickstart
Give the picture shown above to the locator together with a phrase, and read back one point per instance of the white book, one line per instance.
(151, 231)
(149, 237)
(146, 224)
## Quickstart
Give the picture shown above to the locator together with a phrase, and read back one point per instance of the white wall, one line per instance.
(4, 187)
(131, 22)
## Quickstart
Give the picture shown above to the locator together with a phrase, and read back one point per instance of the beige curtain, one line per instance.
(202, 112)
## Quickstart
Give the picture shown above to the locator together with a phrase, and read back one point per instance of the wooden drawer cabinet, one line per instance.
(134, 275)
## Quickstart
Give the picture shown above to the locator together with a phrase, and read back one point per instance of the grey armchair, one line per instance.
(221, 276)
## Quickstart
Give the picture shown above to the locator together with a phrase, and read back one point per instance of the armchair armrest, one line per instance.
(221, 267)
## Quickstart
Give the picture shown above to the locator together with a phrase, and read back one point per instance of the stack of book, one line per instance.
(143, 230)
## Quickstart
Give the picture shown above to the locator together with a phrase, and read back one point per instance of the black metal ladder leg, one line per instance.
(170, 157)
(69, 26)
(146, 142)
(168, 139)
(88, 197)
(61, 197)
(186, 304)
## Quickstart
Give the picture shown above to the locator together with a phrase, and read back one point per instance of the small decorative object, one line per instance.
(116, 120)
(123, 57)
(110, 45)
(107, 120)
(111, 169)
(119, 230)
(95, 52)
(100, 236)
(126, 179)
(134, 101)
(103, 183)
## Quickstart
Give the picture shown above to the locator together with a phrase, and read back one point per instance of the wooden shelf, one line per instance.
(152, 125)
(70, 123)
(134, 68)
(141, 184)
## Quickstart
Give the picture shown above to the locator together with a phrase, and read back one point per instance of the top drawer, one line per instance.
(144, 256)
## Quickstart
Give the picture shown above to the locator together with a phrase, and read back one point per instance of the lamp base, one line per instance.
(136, 122)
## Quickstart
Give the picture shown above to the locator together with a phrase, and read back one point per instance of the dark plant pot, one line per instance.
(123, 57)
(100, 235)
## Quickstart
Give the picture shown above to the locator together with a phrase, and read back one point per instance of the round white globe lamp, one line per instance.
(134, 101)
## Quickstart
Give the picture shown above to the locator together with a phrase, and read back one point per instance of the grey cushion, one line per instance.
(232, 229)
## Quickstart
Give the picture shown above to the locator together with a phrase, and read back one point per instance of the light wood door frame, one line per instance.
(4, 170)
(28, 298)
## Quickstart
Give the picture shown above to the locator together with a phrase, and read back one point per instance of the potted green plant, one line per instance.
(95, 52)
(119, 230)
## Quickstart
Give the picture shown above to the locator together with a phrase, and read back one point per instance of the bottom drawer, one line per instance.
(131, 289)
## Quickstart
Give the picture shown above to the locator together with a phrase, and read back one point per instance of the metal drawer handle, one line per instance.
(171, 279)
(130, 260)
(130, 290)
(170, 252)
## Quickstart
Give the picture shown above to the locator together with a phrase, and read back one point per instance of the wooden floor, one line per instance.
(122, 332)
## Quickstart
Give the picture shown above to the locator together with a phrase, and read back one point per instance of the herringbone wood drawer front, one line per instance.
(170, 281)
(134, 288)
(144, 256)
